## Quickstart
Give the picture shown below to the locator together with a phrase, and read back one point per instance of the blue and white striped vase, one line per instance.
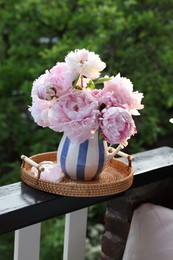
(84, 161)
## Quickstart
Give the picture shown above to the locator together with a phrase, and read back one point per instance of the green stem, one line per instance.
(81, 81)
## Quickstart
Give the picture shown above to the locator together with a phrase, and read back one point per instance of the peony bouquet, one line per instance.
(73, 98)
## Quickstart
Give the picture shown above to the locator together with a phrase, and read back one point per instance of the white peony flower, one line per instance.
(85, 63)
(171, 120)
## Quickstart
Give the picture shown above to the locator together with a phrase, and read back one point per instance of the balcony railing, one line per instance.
(22, 208)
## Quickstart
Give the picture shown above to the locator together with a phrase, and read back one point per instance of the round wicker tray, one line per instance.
(116, 177)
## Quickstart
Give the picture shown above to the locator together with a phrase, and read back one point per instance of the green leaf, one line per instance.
(101, 80)
(91, 84)
(75, 83)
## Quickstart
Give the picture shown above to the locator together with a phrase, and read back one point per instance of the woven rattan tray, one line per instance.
(116, 177)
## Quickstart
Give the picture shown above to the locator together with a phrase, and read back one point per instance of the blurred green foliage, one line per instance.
(133, 37)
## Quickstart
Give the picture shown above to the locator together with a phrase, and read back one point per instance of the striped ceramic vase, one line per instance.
(83, 161)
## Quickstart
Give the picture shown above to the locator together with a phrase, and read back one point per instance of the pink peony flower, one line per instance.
(54, 83)
(116, 125)
(52, 172)
(85, 63)
(40, 109)
(97, 94)
(42, 88)
(119, 92)
(76, 114)
(61, 77)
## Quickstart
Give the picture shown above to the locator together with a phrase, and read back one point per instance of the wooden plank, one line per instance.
(152, 165)
(34, 206)
(27, 243)
(75, 235)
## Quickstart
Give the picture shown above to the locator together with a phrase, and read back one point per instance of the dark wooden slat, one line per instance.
(21, 205)
(152, 165)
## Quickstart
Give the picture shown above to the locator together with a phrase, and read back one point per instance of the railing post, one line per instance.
(75, 235)
(27, 243)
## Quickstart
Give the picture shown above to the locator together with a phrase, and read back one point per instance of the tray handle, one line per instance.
(129, 157)
(32, 163)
